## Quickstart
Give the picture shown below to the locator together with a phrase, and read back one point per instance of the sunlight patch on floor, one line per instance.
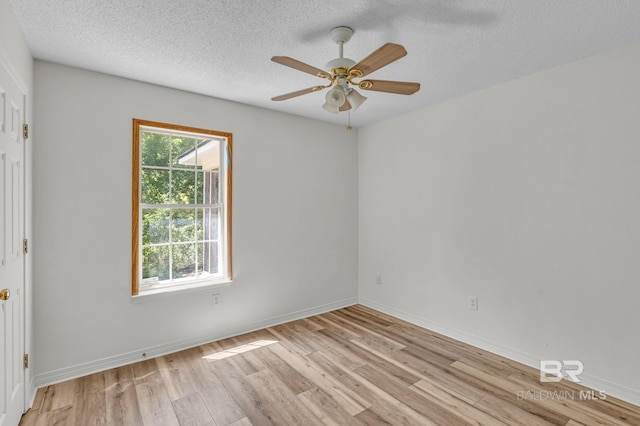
(239, 349)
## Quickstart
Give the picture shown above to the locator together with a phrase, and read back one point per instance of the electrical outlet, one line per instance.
(216, 300)
(379, 279)
(473, 303)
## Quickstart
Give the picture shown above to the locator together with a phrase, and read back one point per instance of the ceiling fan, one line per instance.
(342, 71)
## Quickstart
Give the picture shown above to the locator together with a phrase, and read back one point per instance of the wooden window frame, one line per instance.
(136, 198)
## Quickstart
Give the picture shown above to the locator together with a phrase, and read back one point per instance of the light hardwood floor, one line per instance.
(347, 367)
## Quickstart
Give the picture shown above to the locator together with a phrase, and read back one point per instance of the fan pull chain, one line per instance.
(349, 120)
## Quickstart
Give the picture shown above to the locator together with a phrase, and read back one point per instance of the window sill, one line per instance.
(152, 294)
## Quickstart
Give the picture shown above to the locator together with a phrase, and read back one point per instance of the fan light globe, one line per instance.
(331, 109)
(355, 99)
(335, 98)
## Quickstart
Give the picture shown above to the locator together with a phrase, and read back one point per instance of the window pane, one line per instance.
(208, 258)
(155, 226)
(155, 186)
(183, 187)
(184, 260)
(208, 183)
(207, 224)
(183, 151)
(184, 225)
(155, 262)
(155, 149)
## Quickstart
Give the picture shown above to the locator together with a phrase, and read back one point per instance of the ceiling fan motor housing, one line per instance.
(338, 63)
(341, 34)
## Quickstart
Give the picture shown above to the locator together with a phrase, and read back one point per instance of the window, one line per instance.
(181, 207)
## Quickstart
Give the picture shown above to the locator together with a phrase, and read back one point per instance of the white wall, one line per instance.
(294, 222)
(13, 45)
(525, 195)
(15, 55)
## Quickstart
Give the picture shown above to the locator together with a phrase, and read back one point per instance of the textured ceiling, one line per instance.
(222, 48)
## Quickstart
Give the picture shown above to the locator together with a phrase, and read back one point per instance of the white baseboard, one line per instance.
(612, 389)
(72, 372)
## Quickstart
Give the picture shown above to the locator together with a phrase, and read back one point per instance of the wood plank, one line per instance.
(370, 417)
(491, 365)
(371, 321)
(93, 383)
(175, 376)
(298, 341)
(364, 329)
(144, 368)
(421, 404)
(246, 396)
(383, 408)
(344, 397)
(242, 422)
(198, 368)
(326, 409)
(247, 361)
(153, 399)
(415, 366)
(370, 358)
(91, 409)
(223, 407)
(292, 379)
(278, 399)
(122, 406)
(390, 410)
(30, 417)
(59, 417)
(338, 326)
(60, 395)
(333, 349)
(452, 385)
(346, 379)
(192, 411)
(511, 414)
(465, 410)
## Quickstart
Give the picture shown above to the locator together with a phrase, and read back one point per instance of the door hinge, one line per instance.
(25, 246)
(26, 360)
(25, 131)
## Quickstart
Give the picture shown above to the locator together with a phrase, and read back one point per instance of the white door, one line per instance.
(11, 250)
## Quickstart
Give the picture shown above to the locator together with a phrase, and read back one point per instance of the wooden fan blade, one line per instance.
(386, 54)
(399, 87)
(297, 93)
(346, 106)
(300, 66)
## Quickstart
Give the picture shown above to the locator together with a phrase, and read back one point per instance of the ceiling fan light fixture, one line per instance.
(335, 97)
(355, 99)
(331, 109)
